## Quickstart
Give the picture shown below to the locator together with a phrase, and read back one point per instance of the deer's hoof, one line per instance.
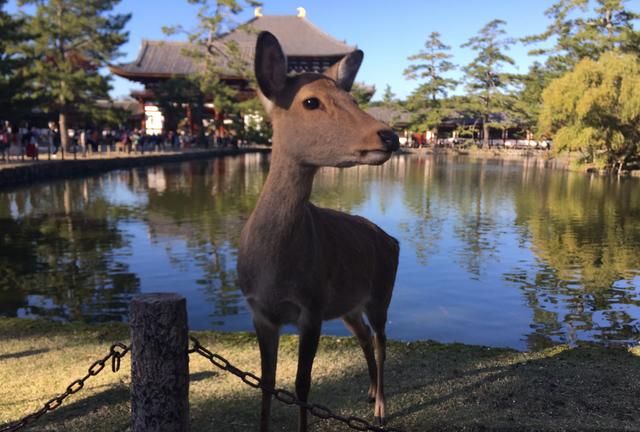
(371, 399)
(381, 421)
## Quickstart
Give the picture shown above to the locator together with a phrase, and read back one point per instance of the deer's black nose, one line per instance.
(390, 139)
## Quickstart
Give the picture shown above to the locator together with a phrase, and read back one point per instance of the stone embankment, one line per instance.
(16, 173)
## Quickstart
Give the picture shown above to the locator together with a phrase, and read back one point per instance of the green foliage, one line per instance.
(430, 67)
(528, 103)
(362, 93)
(172, 96)
(586, 29)
(596, 109)
(15, 99)
(487, 85)
(389, 97)
(71, 40)
(218, 59)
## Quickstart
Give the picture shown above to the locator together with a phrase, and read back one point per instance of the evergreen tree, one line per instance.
(72, 40)
(15, 99)
(430, 66)
(217, 58)
(487, 84)
(528, 103)
(389, 97)
(362, 93)
(586, 29)
(596, 109)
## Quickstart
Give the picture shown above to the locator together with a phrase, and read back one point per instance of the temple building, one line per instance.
(307, 47)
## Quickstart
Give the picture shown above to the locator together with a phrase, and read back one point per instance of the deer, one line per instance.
(301, 264)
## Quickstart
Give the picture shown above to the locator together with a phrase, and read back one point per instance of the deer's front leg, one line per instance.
(268, 338)
(309, 337)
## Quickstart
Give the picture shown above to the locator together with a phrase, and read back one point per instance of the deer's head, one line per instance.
(315, 120)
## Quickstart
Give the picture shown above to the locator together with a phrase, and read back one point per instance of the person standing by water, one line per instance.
(4, 143)
(56, 140)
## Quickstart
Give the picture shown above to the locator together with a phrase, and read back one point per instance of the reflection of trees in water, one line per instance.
(586, 234)
(475, 193)
(206, 205)
(434, 187)
(424, 231)
(59, 254)
(341, 189)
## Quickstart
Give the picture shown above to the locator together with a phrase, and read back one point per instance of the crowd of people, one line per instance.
(30, 142)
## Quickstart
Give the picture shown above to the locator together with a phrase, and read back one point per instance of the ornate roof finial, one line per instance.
(257, 12)
(302, 12)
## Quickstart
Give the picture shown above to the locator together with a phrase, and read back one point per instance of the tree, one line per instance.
(362, 93)
(217, 57)
(486, 83)
(389, 97)
(430, 66)
(528, 103)
(586, 29)
(72, 40)
(596, 109)
(15, 100)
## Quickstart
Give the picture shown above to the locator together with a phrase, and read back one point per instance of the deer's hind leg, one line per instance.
(356, 325)
(378, 319)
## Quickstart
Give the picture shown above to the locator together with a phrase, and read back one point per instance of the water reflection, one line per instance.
(586, 235)
(493, 252)
(62, 256)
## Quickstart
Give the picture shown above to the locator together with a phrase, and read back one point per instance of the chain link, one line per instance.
(284, 396)
(116, 352)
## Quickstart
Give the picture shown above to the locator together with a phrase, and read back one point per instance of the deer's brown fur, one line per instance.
(300, 264)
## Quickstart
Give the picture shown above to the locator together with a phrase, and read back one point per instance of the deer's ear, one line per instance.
(270, 65)
(344, 72)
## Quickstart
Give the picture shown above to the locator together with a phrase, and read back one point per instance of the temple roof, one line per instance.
(297, 35)
(394, 116)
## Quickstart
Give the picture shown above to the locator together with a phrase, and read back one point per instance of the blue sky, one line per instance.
(387, 31)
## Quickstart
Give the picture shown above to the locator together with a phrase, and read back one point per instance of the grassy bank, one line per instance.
(430, 386)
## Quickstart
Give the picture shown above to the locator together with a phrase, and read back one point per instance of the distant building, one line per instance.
(455, 128)
(307, 47)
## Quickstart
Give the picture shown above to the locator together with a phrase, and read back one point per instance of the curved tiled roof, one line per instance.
(298, 37)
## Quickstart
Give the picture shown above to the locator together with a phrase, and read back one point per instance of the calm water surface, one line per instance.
(495, 253)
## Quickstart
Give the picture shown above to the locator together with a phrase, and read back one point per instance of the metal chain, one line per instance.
(116, 352)
(284, 396)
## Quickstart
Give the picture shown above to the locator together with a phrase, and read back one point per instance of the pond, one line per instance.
(492, 252)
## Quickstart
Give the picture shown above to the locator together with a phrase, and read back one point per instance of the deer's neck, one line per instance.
(281, 207)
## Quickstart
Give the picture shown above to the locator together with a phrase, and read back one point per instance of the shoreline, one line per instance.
(430, 385)
(543, 158)
(538, 157)
(22, 173)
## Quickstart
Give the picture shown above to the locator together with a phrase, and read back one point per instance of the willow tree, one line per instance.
(487, 83)
(71, 41)
(595, 109)
(430, 66)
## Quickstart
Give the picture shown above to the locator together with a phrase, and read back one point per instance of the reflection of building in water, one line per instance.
(308, 48)
(155, 179)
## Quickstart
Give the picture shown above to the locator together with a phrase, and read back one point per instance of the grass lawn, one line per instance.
(430, 386)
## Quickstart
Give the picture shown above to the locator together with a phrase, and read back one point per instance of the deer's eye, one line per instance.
(311, 103)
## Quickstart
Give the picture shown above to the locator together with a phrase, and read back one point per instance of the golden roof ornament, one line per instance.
(302, 12)
(257, 12)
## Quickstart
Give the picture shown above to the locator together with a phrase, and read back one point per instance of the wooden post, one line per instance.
(159, 363)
